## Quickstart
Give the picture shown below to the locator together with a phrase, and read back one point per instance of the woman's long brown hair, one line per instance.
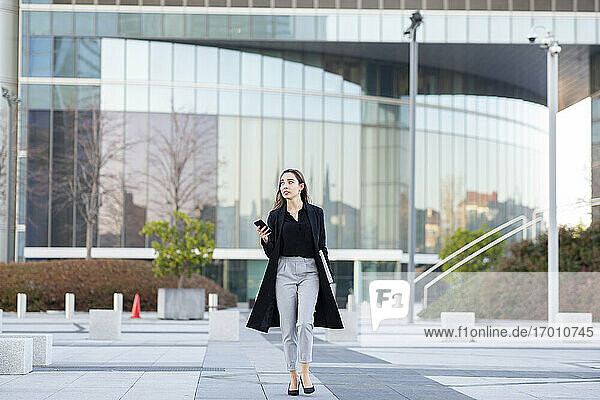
(280, 200)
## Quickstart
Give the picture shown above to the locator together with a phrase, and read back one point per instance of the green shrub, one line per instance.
(93, 282)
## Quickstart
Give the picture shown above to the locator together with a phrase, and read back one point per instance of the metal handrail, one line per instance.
(479, 239)
(475, 254)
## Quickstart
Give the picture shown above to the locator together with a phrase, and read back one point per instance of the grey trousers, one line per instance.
(296, 291)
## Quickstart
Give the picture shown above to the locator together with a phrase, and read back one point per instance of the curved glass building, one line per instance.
(234, 92)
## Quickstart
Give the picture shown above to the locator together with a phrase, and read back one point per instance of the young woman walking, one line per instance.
(295, 292)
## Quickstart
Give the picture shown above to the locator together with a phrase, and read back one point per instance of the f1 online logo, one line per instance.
(388, 299)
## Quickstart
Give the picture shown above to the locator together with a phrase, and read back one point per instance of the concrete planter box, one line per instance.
(181, 303)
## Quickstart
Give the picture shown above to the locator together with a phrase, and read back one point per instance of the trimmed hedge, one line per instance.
(93, 282)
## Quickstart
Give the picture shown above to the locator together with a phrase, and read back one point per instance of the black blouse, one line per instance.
(297, 235)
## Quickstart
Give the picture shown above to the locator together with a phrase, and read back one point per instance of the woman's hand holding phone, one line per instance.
(263, 230)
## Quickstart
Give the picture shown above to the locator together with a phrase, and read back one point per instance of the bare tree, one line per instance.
(177, 157)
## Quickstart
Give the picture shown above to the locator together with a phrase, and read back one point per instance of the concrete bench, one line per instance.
(16, 355)
(42, 346)
(224, 325)
(105, 324)
(454, 320)
(350, 331)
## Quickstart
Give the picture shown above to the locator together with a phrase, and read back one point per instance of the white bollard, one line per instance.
(118, 302)
(69, 305)
(213, 302)
(350, 303)
(21, 305)
(0, 320)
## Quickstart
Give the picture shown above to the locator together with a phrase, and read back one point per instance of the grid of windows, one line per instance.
(272, 110)
(501, 5)
(439, 27)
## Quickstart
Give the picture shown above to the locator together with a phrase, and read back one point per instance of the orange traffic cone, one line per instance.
(135, 310)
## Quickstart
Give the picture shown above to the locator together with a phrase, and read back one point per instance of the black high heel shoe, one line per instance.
(307, 390)
(294, 392)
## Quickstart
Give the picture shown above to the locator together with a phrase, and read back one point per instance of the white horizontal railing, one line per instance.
(521, 218)
(475, 254)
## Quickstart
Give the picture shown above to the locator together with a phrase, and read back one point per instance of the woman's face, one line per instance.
(289, 186)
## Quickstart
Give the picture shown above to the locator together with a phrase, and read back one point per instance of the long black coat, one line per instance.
(265, 313)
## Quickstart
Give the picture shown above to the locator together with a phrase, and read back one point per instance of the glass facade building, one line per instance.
(249, 91)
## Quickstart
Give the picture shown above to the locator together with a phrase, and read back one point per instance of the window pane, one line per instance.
(64, 97)
(129, 24)
(251, 103)
(112, 97)
(272, 105)
(174, 25)
(62, 23)
(40, 56)
(369, 28)
(152, 25)
(239, 27)
(283, 26)
(38, 97)
(89, 58)
(292, 74)
(160, 99)
(251, 66)
(161, 61)
(184, 63)
(39, 23)
(137, 98)
(272, 72)
(206, 101)
(305, 28)
(183, 100)
(113, 59)
(207, 64)
(392, 27)
(106, 24)
(217, 26)
(137, 60)
(313, 78)
(348, 27)
(229, 71)
(229, 102)
(84, 24)
(499, 30)
(478, 29)
(292, 106)
(195, 26)
(457, 29)
(262, 27)
(64, 57)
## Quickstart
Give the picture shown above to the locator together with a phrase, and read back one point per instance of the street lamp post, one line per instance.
(550, 44)
(416, 19)
(11, 99)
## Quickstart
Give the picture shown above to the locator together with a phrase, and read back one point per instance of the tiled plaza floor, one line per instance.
(174, 360)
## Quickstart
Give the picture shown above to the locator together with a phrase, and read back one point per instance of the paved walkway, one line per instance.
(174, 360)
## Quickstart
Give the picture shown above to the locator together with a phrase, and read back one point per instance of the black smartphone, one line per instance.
(260, 223)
